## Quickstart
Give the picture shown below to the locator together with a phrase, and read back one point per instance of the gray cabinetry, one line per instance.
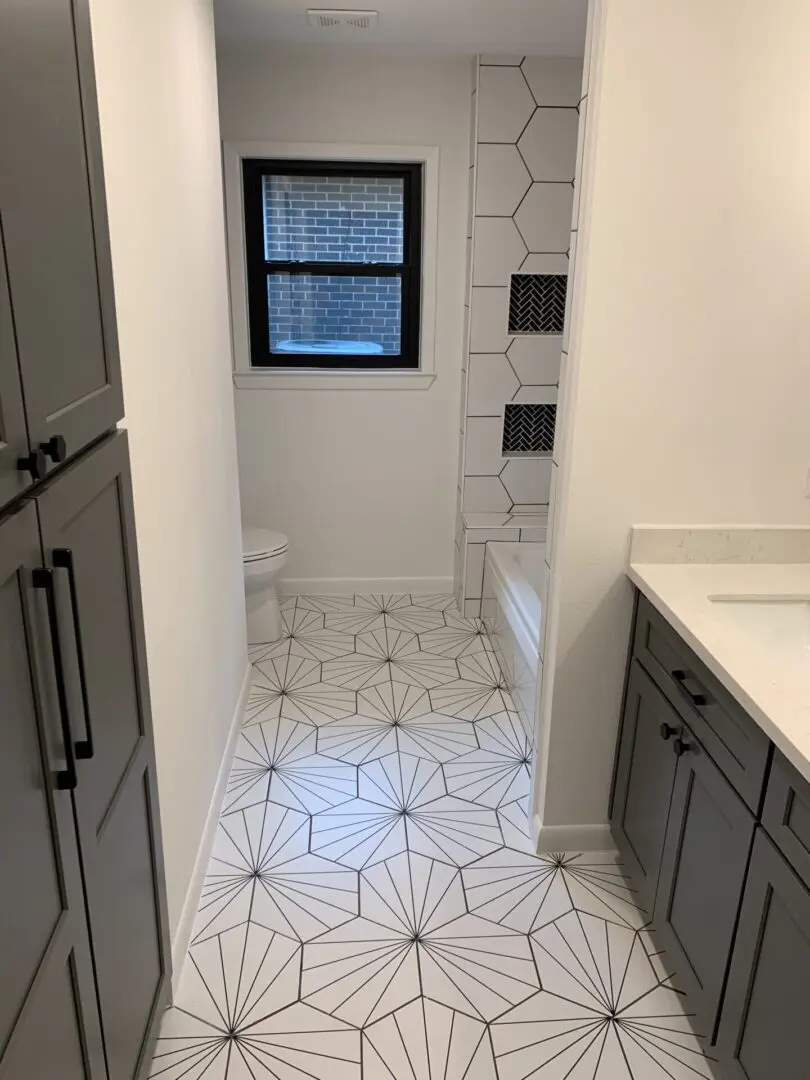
(49, 1025)
(764, 1031)
(714, 826)
(53, 213)
(703, 864)
(13, 434)
(88, 536)
(645, 774)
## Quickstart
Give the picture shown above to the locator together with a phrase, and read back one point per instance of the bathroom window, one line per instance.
(333, 257)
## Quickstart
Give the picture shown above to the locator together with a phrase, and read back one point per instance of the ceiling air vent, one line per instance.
(327, 19)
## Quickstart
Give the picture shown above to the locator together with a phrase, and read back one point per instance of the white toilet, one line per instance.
(264, 553)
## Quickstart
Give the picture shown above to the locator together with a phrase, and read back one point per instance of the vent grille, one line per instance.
(529, 429)
(537, 303)
(327, 19)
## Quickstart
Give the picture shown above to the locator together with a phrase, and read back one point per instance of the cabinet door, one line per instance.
(645, 773)
(13, 436)
(54, 219)
(764, 1031)
(706, 851)
(87, 512)
(48, 1014)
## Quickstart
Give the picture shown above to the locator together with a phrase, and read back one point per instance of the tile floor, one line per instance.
(373, 908)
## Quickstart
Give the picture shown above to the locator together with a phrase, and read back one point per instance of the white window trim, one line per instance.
(246, 377)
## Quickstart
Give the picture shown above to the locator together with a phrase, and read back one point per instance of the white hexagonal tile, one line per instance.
(545, 263)
(554, 80)
(544, 217)
(528, 480)
(484, 436)
(491, 383)
(536, 359)
(474, 574)
(489, 320)
(569, 294)
(549, 144)
(502, 180)
(536, 395)
(499, 249)
(505, 104)
(485, 494)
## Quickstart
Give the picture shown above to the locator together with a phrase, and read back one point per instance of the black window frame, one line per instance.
(258, 268)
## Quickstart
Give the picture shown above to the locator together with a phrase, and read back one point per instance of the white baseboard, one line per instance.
(185, 926)
(571, 837)
(422, 586)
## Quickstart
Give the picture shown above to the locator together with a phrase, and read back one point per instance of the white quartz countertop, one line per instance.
(760, 652)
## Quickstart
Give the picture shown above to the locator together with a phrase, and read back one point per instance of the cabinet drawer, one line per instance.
(731, 737)
(786, 815)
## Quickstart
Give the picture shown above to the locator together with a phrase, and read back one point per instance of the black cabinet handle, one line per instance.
(65, 778)
(63, 558)
(34, 464)
(667, 731)
(696, 699)
(680, 747)
(55, 448)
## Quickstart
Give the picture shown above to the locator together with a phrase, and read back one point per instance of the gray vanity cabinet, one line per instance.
(703, 864)
(765, 1028)
(645, 773)
(714, 826)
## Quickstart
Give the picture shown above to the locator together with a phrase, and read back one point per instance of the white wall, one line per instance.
(158, 100)
(363, 482)
(688, 381)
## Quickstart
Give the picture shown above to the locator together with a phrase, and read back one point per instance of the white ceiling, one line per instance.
(527, 27)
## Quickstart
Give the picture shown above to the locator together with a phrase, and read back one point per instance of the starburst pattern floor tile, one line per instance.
(374, 908)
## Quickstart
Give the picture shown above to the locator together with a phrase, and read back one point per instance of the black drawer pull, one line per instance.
(65, 778)
(680, 747)
(55, 448)
(667, 731)
(696, 699)
(63, 558)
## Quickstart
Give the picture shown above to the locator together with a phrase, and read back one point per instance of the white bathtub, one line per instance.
(515, 589)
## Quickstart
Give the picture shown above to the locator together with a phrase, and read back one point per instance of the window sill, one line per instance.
(281, 379)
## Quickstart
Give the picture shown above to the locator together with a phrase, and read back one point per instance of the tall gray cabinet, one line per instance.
(84, 957)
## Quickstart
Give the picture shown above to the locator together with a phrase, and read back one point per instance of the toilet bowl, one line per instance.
(264, 553)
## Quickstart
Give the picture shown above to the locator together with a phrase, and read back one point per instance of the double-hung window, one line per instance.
(333, 258)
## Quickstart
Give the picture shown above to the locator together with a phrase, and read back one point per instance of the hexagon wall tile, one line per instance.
(503, 180)
(528, 480)
(489, 320)
(485, 493)
(544, 217)
(553, 80)
(549, 144)
(536, 359)
(499, 249)
(484, 437)
(505, 104)
(491, 383)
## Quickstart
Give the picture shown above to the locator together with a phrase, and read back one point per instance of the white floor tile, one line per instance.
(373, 908)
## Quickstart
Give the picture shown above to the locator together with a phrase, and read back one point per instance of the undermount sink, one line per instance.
(777, 622)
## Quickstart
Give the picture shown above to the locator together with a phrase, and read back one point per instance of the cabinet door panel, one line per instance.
(48, 1017)
(764, 1030)
(644, 778)
(88, 510)
(54, 217)
(702, 872)
(13, 435)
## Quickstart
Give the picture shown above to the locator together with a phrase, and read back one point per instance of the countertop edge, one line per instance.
(635, 572)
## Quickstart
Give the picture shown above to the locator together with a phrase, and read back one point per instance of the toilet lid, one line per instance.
(260, 543)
